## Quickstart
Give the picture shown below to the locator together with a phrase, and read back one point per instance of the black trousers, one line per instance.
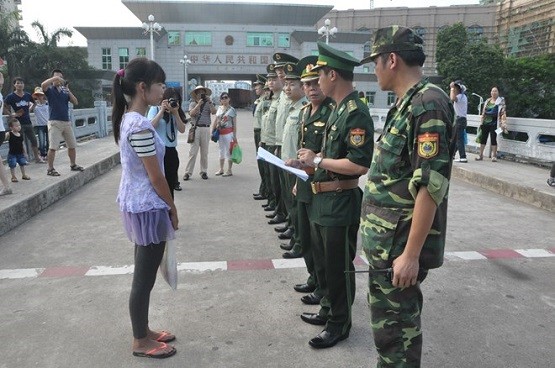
(268, 177)
(262, 189)
(147, 261)
(171, 165)
(335, 249)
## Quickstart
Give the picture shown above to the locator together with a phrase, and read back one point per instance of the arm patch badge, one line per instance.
(356, 136)
(428, 145)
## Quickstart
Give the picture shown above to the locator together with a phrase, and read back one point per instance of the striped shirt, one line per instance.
(143, 143)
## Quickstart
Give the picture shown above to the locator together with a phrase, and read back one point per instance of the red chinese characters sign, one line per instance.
(229, 59)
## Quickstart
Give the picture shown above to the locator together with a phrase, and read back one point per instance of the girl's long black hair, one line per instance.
(138, 70)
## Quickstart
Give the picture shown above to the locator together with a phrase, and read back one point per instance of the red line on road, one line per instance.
(64, 271)
(250, 264)
(500, 253)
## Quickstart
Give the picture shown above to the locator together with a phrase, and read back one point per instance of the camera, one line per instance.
(203, 96)
(172, 102)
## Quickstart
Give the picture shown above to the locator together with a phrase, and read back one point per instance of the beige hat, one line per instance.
(198, 90)
(38, 91)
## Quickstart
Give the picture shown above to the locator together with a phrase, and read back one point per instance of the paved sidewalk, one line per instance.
(523, 182)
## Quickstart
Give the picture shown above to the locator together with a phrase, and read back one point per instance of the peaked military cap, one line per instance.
(271, 69)
(306, 65)
(292, 71)
(394, 38)
(282, 58)
(260, 80)
(333, 58)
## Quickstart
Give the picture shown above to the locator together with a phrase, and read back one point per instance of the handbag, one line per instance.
(191, 135)
(215, 135)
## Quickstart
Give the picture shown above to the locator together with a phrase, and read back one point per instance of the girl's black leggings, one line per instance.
(147, 261)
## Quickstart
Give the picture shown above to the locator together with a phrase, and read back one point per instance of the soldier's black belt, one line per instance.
(333, 186)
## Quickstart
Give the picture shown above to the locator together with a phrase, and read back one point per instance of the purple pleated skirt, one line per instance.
(150, 227)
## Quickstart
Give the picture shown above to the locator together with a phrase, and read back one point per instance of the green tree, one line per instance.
(451, 41)
(12, 43)
(530, 88)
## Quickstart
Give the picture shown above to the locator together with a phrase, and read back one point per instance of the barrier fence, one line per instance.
(528, 139)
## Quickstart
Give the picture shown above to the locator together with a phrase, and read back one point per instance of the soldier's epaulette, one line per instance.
(351, 106)
(425, 100)
(305, 106)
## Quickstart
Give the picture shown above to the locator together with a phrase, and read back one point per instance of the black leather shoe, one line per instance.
(288, 234)
(177, 187)
(271, 215)
(259, 198)
(314, 319)
(286, 246)
(304, 288)
(203, 175)
(269, 208)
(281, 229)
(311, 299)
(327, 339)
(290, 254)
(186, 177)
(256, 194)
(265, 205)
(278, 219)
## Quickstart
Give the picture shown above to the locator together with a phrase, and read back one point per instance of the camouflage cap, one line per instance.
(282, 58)
(307, 64)
(260, 80)
(271, 69)
(394, 38)
(333, 58)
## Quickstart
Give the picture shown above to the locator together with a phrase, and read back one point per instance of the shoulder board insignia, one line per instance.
(352, 106)
(305, 106)
(319, 124)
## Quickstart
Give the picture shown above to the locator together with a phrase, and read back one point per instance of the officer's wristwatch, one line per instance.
(317, 161)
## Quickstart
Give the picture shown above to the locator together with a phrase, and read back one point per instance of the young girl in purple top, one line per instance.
(148, 211)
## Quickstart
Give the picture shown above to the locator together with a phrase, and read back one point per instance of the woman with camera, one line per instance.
(226, 124)
(168, 119)
(200, 109)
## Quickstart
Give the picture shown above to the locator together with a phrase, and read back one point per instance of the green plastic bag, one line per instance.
(479, 135)
(236, 154)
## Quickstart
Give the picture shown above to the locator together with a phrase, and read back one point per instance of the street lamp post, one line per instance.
(151, 27)
(327, 31)
(185, 61)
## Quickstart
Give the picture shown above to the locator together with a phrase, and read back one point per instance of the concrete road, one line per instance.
(491, 305)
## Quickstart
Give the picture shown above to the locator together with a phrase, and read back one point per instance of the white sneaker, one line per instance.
(461, 160)
(6, 191)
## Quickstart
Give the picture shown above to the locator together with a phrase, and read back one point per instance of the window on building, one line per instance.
(371, 97)
(367, 49)
(366, 69)
(260, 39)
(141, 51)
(198, 38)
(106, 58)
(174, 38)
(123, 53)
(475, 33)
(284, 40)
(314, 52)
(391, 98)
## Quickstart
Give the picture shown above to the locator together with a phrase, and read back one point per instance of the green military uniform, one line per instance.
(260, 107)
(312, 129)
(268, 140)
(412, 152)
(334, 214)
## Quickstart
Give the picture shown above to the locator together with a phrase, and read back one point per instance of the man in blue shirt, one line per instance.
(59, 126)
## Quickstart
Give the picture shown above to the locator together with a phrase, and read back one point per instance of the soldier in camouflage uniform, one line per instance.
(404, 209)
(345, 156)
(313, 122)
(260, 106)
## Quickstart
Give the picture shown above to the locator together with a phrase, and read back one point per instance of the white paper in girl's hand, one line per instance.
(168, 266)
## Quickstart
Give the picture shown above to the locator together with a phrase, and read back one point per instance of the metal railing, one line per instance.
(93, 122)
(528, 139)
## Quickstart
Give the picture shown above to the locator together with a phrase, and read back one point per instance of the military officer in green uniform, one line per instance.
(259, 106)
(282, 60)
(345, 156)
(268, 135)
(404, 210)
(312, 126)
